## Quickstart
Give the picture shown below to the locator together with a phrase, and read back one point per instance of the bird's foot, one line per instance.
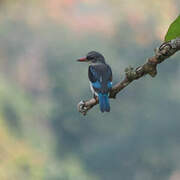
(82, 107)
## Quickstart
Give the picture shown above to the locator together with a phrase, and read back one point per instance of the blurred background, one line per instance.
(42, 136)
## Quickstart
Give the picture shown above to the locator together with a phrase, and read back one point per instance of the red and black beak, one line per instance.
(83, 59)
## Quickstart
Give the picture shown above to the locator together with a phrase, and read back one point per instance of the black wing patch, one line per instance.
(100, 77)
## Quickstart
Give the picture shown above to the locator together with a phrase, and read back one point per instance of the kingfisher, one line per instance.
(100, 78)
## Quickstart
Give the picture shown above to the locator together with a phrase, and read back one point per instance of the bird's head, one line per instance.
(93, 57)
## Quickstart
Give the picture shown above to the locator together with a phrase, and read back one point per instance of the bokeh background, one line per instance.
(42, 136)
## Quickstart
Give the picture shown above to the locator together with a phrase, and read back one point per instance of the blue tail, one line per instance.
(104, 102)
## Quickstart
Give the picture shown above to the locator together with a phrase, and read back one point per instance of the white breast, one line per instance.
(92, 89)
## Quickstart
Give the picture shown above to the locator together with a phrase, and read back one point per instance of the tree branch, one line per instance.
(166, 50)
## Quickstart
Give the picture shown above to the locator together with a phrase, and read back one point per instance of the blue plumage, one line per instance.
(104, 102)
(93, 71)
(96, 85)
(109, 85)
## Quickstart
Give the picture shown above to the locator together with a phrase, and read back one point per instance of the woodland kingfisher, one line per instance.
(100, 78)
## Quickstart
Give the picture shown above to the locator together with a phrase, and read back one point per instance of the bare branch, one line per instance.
(166, 50)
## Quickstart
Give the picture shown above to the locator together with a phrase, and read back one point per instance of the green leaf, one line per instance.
(174, 30)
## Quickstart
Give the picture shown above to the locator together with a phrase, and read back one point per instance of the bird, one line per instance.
(100, 78)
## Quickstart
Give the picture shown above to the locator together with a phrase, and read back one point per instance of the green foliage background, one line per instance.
(42, 136)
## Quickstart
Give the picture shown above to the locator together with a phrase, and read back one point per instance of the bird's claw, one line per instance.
(82, 108)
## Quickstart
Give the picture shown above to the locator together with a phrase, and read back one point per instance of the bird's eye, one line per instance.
(90, 57)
